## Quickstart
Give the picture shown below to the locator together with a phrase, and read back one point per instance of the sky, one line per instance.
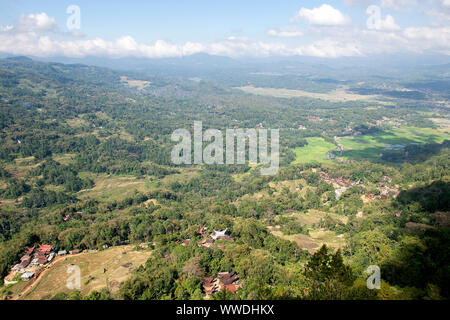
(251, 28)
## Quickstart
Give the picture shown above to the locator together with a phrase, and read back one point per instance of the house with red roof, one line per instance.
(45, 248)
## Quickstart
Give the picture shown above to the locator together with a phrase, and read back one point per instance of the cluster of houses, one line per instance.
(35, 258)
(341, 185)
(228, 281)
(390, 121)
(68, 216)
(349, 131)
(340, 181)
(208, 240)
(385, 189)
(314, 119)
(39, 256)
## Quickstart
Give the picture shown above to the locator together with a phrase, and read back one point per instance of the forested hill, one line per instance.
(364, 180)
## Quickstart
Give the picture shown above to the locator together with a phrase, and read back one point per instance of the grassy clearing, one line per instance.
(100, 269)
(119, 187)
(313, 216)
(316, 150)
(138, 84)
(110, 188)
(315, 240)
(76, 123)
(316, 237)
(21, 167)
(64, 159)
(12, 290)
(185, 174)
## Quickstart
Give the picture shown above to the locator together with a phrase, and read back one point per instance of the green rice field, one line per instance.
(369, 146)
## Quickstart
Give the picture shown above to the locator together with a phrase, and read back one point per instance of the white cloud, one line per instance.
(386, 24)
(284, 33)
(358, 2)
(399, 4)
(328, 48)
(36, 22)
(325, 15)
(30, 36)
(31, 43)
(6, 28)
(422, 39)
(389, 24)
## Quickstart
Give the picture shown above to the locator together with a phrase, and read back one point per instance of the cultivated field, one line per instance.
(372, 145)
(337, 95)
(369, 146)
(316, 150)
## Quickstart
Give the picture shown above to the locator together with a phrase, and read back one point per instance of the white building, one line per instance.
(218, 234)
(27, 276)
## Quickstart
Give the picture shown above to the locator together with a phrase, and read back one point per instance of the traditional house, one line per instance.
(203, 231)
(25, 257)
(25, 263)
(206, 243)
(46, 249)
(232, 287)
(209, 285)
(225, 281)
(39, 261)
(217, 234)
(226, 238)
(185, 242)
(17, 267)
(227, 278)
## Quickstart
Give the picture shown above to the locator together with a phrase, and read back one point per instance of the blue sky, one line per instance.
(236, 28)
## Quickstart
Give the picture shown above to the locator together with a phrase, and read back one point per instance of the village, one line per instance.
(228, 281)
(385, 189)
(209, 240)
(35, 260)
(39, 258)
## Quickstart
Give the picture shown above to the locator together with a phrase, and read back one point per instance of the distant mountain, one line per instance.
(246, 70)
